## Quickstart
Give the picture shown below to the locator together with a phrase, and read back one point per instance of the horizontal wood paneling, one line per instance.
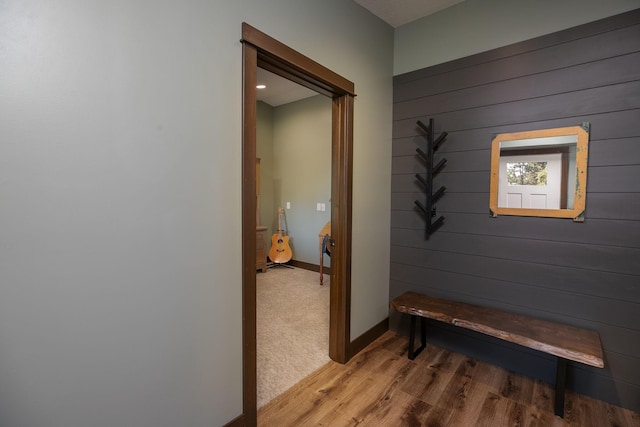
(561, 278)
(608, 206)
(584, 274)
(604, 179)
(621, 124)
(474, 182)
(594, 232)
(614, 179)
(591, 29)
(533, 62)
(454, 202)
(614, 206)
(614, 152)
(589, 257)
(572, 104)
(618, 69)
(460, 161)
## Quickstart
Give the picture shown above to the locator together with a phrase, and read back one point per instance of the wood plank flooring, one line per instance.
(381, 387)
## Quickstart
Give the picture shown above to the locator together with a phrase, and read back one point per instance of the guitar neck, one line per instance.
(280, 213)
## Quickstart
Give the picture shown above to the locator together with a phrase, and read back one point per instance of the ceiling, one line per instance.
(281, 91)
(400, 12)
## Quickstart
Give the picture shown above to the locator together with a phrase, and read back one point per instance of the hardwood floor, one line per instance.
(381, 387)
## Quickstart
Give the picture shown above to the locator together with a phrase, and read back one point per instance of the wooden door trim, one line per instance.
(341, 188)
(262, 50)
(276, 56)
(249, 223)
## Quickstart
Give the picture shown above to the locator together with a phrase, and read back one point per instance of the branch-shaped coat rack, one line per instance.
(429, 209)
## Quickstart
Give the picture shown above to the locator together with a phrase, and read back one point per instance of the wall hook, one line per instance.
(428, 209)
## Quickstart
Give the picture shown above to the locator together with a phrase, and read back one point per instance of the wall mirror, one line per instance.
(540, 173)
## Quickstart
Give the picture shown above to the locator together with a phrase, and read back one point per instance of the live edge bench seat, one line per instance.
(563, 341)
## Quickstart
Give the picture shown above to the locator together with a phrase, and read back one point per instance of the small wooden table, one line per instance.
(563, 341)
(326, 231)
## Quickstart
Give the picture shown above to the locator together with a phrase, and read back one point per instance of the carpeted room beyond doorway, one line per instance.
(292, 328)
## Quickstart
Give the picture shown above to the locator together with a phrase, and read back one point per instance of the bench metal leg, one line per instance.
(412, 336)
(561, 378)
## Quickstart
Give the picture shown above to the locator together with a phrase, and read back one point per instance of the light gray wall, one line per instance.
(302, 171)
(264, 151)
(475, 26)
(120, 200)
(294, 144)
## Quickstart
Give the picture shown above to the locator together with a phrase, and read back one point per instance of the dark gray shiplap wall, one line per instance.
(583, 274)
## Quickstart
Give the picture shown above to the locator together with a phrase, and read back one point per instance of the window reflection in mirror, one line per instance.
(540, 173)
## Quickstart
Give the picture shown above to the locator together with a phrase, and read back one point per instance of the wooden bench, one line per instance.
(563, 341)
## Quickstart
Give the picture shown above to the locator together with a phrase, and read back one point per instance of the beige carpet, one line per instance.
(292, 328)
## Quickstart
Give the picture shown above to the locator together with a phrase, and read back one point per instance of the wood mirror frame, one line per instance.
(576, 211)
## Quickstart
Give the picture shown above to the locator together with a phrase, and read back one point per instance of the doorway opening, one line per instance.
(260, 50)
(293, 141)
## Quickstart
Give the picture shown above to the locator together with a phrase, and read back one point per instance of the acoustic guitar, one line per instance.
(280, 251)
